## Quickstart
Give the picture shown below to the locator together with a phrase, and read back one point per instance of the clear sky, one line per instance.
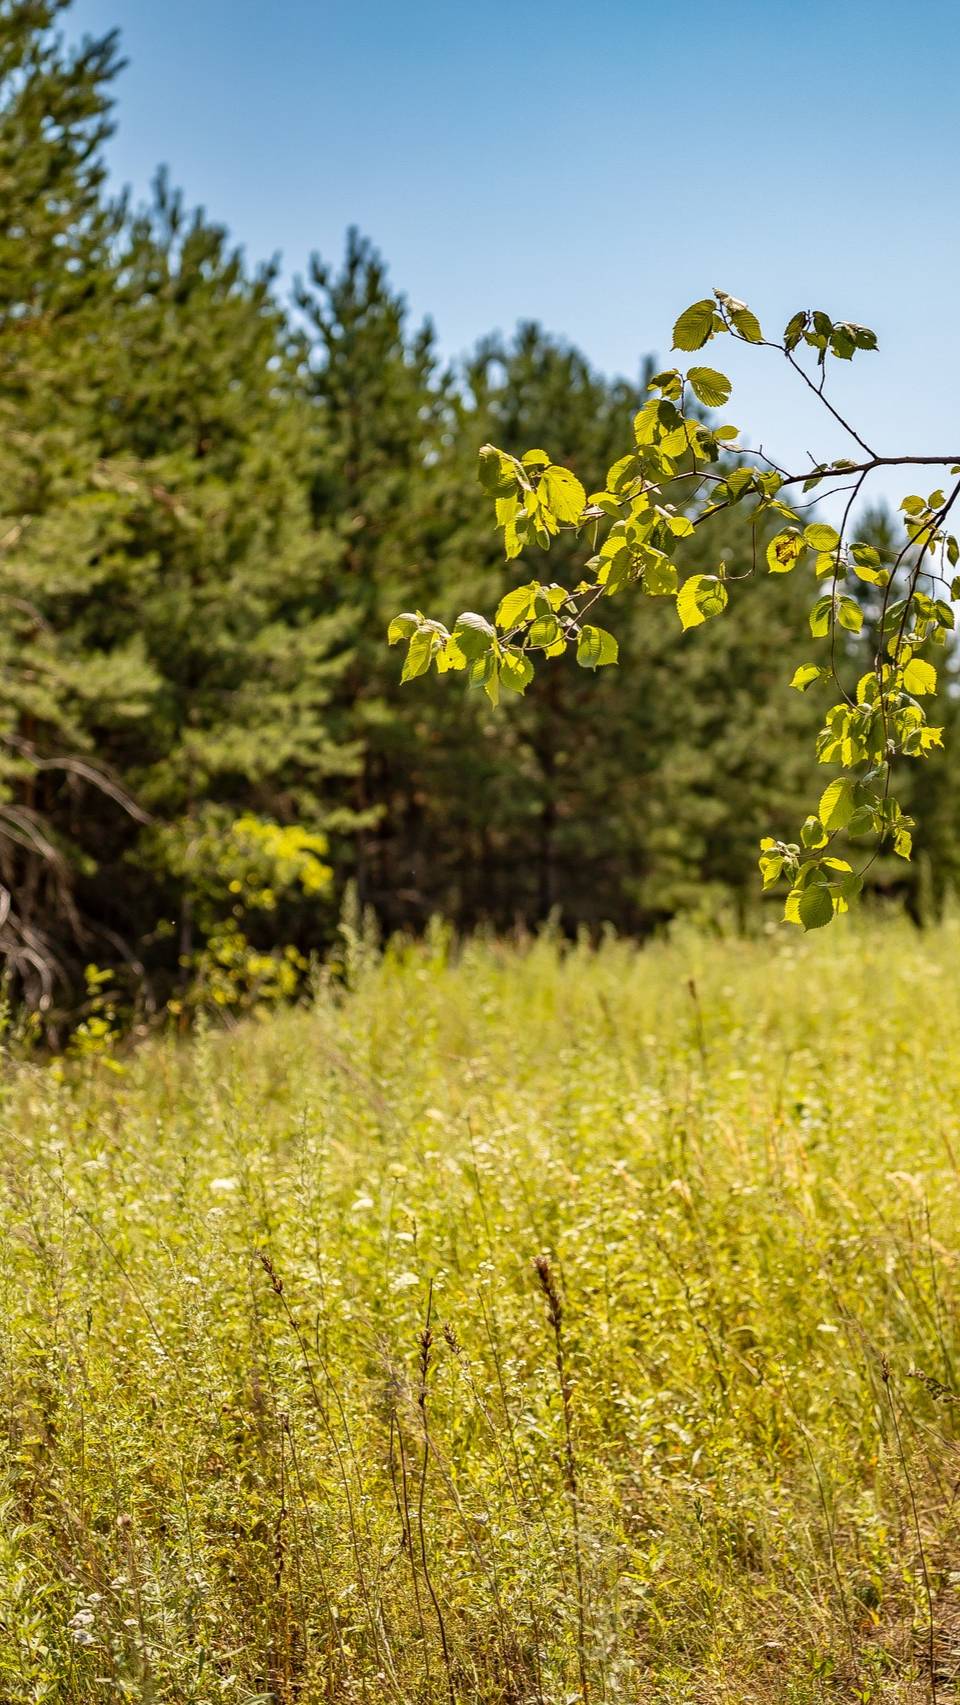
(596, 167)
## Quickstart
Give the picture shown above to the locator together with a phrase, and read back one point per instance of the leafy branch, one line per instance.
(682, 471)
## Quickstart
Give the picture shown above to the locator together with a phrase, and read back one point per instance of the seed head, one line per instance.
(548, 1285)
(270, 1271)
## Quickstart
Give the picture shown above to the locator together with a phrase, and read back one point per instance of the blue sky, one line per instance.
(594, 167)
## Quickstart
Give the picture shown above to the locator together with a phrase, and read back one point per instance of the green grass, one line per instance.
(733, 1490)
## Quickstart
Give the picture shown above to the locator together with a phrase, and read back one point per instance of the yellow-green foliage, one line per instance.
(740, 1160)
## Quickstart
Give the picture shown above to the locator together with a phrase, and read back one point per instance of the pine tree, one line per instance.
(56, 279)
(218, 578)
(384, 478)
(170, 640)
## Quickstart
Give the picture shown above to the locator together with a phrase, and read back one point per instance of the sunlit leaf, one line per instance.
(837, 804)
(920, 677)
(402, 627)
(820, 537)
(419, 655)
(516, 606)
(474, 634)
(784, 550)
(700, 596)
(694, 327)
(596, 648)
(516, 671)
(710, 387)
(815, 907)
(563, 493)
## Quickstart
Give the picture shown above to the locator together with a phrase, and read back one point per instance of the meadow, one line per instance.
(516, 1322)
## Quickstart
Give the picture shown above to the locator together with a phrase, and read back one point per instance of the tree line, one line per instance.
(212, 501)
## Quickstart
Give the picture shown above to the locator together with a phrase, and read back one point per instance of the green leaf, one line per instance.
(920, 677)
(826, 563)
(485, 673)
(679, 441)
(545, 630)
(562, 492)
(605, 502)
(596, 648)
(418, 658)
(784, 550)
(496, 472)
(701, 596)
(449, 657)
(820, 616)
(616, 566)
(866, 566)
(794, 329)
(862, 822)
(820, 537)
(771, 868)
(836, 803)
(805, 675)
(516, 606)
(623, 473)
(710, 387)
(815, 907)
(791, 907)
(694, 326)
(646, 425)
(745, 322)
(680, 526)
(515, 530)
(516, 671)
(813, 834)
(849, 614)
(402, 626)
(659, 574)
(845, 882)
(473, 634)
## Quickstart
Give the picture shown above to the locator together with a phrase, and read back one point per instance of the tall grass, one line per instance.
(530, 1324)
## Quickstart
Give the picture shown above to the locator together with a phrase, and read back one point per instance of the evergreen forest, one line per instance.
(216, 491)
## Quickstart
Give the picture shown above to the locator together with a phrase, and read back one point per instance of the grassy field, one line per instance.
(291, 1411)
